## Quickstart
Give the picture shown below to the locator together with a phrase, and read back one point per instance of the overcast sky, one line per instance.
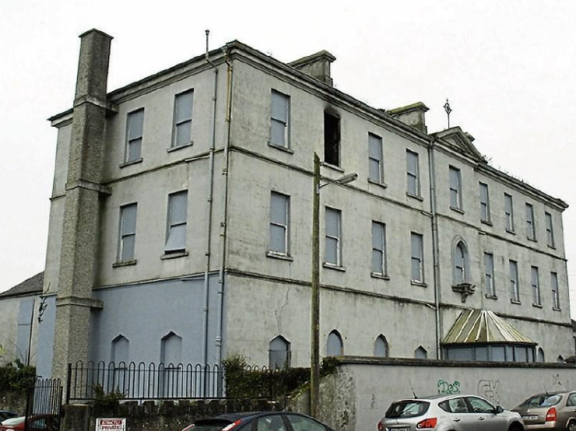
(508, 67)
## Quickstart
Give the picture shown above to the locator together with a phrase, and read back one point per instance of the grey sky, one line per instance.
(507, 67)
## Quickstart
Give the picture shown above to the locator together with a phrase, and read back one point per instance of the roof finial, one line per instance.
(448, 110)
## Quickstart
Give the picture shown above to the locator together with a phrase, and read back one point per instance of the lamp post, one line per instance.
(315, 303)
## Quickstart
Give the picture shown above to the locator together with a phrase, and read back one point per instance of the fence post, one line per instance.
(69, 383)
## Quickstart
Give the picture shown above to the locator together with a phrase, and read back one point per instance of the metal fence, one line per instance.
(131, 381)
(43, 405)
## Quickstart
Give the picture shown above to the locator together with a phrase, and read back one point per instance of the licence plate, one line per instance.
(530, 418)
(398, 429)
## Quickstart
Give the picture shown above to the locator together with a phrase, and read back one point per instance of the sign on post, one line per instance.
(111, 424)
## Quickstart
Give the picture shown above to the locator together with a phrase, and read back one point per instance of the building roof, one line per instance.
(31, 286)
(483, 326)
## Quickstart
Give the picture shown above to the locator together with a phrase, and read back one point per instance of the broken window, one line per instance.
(331, 138)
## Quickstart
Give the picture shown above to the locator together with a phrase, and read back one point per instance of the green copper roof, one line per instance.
(483, 326)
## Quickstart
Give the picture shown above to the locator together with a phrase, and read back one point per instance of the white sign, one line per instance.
(111, 424)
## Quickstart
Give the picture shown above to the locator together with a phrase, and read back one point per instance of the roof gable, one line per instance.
(460, 141)
(31, 286)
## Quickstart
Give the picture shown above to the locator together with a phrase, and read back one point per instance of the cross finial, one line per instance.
(448, 110)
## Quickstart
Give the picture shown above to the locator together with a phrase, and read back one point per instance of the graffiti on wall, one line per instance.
(490, 389)
(448, 388)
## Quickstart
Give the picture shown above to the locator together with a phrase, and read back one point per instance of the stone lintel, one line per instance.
(88, 185)
(110, 108)
(79, 302)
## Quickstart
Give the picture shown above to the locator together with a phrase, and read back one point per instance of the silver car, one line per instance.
(449, 413)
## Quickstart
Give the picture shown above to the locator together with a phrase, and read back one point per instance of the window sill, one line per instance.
(418, 283)
(334, 267)
(280, 256)
(486, 222)
(458, 210)
(491, 296)
(380, 276)
(511, 231)
(556, 309)
(333, 167)
(513, 301)
(131, 162)
(532, 239)
(417, 197)
(127, 263)
(553, 247)
(281, 148)
(377, 183)
(174, 255)
(537, 305)
(179, 147)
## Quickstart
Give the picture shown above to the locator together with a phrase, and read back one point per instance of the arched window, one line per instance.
(420, 353)
(171, 366)
(460, 256)
(279, 353)
(540, 355)
(560, 359)
(381, 347)
(120, 356)
(335, 346)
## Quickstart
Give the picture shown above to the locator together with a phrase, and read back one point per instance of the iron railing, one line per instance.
(44, 399)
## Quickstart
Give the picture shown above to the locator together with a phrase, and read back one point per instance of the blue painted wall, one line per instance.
(45, 352)
(146, 313)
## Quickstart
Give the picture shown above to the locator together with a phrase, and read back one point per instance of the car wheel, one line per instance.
(572, 426)
(516, 427)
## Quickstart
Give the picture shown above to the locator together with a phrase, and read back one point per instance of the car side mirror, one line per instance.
(499, 410)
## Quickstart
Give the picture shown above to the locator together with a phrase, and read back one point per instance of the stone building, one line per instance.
(180, 227)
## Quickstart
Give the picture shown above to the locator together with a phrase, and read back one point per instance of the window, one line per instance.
(420, 353)
(267, 423)
(375, 159)
(460, 263)
(333, 253)
(555, 296)
(127, 240)
(301, 423)
(134, 133)
(417, 261)
(170, 368)
(536, 286)
(280, 120)
(509, 212)
(279, 223)
(530, 228)
(480, 406)
(560, 359)
(540, 355)
(412, 173)
(182, 134)
(279, 353)
(176, 229)
(484, 203)
(331, 138)
(455, 188)
(334, 347)
(549, 230)
(381, 347)
(119, 356)
(379, 248)
(514, 292)
(489, 274)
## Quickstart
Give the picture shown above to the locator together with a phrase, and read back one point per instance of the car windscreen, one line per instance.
(407, 409)
(542, 401)
(14, 421)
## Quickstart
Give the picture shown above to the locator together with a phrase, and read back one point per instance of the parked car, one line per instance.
(449, 413)
(35, 423)
(549, 411)
(5, 414)
(259, 421)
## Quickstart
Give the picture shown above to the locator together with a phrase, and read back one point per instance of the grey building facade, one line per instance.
(181, 219)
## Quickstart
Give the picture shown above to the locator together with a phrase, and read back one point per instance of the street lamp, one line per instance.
(315, 314)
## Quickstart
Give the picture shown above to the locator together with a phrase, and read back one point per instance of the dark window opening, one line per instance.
(331, 139)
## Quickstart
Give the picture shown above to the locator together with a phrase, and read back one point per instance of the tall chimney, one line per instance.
(81, 208)
(413, 115)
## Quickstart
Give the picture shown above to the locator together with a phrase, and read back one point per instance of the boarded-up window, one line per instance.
(331, 139)
(381, 347)
(279, 353)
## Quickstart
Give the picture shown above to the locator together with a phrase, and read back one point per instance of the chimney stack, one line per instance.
(316, 65)
(81, 207)
(412, 115)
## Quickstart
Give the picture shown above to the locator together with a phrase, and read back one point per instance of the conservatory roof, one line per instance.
(483, 326)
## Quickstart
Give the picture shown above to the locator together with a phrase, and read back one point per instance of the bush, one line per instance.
(16, 377)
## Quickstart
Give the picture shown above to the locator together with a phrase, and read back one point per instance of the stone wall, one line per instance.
(13, 401)
(158, 415)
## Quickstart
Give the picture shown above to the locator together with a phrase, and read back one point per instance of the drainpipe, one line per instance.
(435, 245)
(206, 307)
(224, 224)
